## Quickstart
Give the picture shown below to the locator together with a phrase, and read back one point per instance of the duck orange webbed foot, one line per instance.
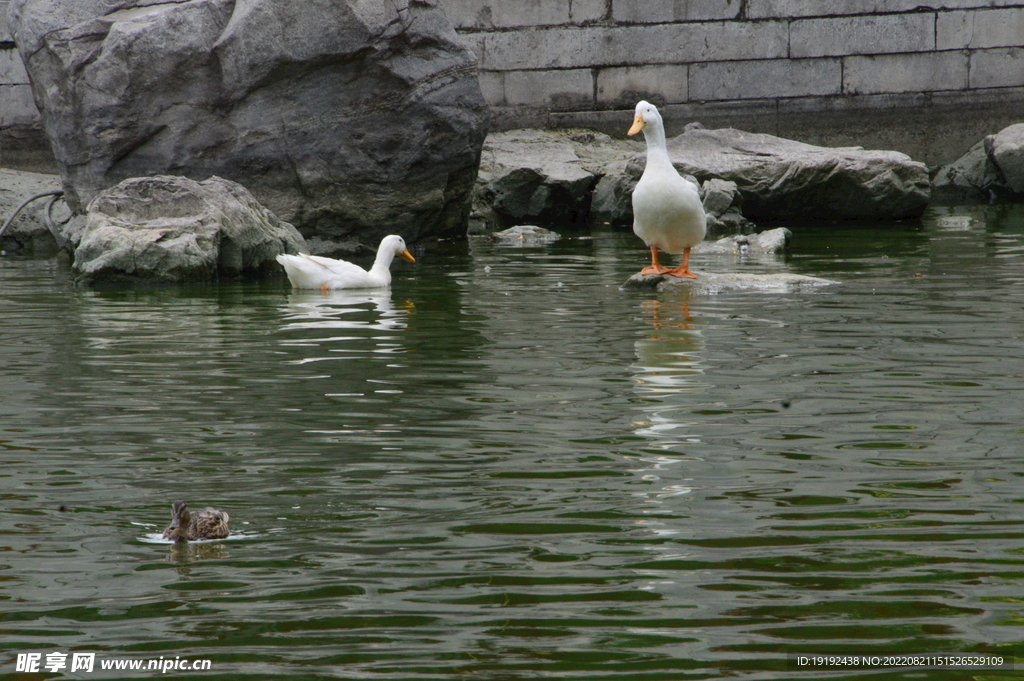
(681, 273)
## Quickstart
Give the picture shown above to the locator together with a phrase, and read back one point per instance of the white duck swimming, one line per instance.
(311, 271)
(667, 210)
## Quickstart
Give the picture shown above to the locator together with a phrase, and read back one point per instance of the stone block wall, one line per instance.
(820, 70)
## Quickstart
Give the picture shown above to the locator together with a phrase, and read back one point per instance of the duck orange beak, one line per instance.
(638, 125)
(406, 255)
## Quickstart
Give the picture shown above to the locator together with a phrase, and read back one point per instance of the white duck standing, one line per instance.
(311, 271)
(667, 211)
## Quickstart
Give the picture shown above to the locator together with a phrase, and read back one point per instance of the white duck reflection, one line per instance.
(309, 310)
(669, 359)
(667, 371)
(343, 321)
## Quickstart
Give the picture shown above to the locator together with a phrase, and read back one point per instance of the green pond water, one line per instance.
(509, 468)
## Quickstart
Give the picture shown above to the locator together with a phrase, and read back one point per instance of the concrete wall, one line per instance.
(927, 80)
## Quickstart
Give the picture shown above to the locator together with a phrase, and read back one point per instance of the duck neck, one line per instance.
(657, 147)
(382, 264)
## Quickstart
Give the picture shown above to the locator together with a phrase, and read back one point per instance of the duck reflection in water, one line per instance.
(340, 309)
(666, 373)
(322, 330)
(182, 554)
(669, 359)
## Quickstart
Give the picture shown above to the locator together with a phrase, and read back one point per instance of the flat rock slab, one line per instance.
(714, 282)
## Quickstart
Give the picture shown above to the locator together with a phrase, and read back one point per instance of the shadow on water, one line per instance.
(507, 467)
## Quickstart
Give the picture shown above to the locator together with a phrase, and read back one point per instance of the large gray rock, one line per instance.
(543, 177)
(613, 198)
(991, 169)
(558, 178)
(780, 179)
(972, 177)
(1008, 155)
(342, 116)
(171, 229)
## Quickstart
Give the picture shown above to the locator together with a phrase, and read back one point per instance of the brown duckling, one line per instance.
(189, 526)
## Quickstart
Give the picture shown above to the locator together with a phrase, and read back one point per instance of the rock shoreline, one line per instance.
(532, 178)
(572, 177)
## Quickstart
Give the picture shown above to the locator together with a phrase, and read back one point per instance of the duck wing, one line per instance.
(312, 271)
(341, 267)
(209, 524)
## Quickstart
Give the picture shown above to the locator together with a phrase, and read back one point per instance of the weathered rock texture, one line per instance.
(170, 229)
(780, 179)
(342, 116)
(1008, 155)
(543, 177)
(562, 178)
(886, 74)
(991, 169)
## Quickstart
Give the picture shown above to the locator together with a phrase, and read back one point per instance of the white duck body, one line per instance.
(315, 272)
(667, 211)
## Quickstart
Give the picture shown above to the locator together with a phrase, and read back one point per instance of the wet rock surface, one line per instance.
(1008, 155)
(543, 177)
(715, 282)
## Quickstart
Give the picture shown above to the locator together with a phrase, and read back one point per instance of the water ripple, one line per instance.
(506, 467)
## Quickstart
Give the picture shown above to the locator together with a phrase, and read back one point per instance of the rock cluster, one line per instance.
(344, 118)
(780, 179)
(567, 177)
